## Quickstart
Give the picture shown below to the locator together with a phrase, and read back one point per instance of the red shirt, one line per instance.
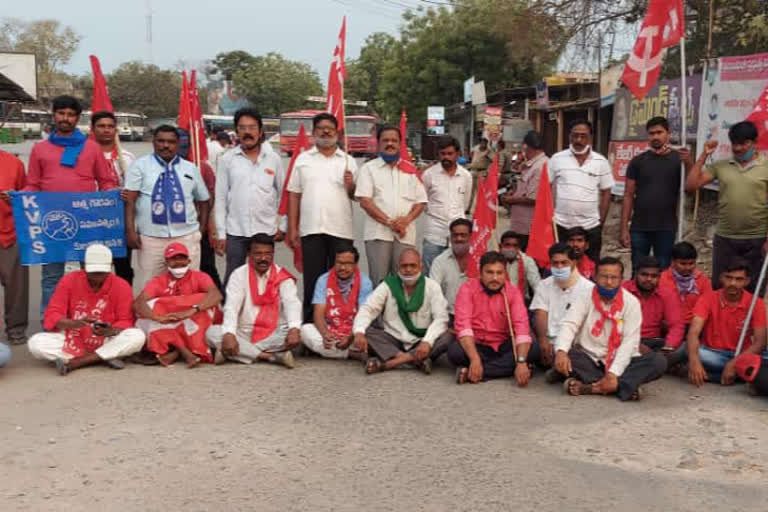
(586, 267)
(688, 301)
(165, 285)
(723, 322)
(11, 178)
(90, 173)
(660, 309)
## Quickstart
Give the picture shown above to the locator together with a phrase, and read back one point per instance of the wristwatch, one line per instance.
(521, 359)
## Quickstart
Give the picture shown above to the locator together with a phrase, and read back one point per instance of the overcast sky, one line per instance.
(195, 30)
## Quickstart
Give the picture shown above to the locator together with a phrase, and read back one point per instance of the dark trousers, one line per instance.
(661, 242)
(319, 252)
(640, 370)
(594, 237)
(123, 266)
(726, 250)
(208, 261)
(385, 346)
(677, 356)
(237, 252)
(496, 365)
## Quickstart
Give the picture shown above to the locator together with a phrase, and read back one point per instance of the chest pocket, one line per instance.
(265, 179)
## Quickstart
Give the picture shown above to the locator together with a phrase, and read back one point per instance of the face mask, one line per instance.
(460, 249)
(607, 293)
(390, 159)
(409, 280)
(510, 254)
(178, 272)
(746, 157)
(582, 152)
(326, 142)
(561, 274)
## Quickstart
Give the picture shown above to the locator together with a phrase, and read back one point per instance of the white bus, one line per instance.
(31, 121)
(130, 126)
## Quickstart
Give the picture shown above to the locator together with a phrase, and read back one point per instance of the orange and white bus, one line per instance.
(289, 128)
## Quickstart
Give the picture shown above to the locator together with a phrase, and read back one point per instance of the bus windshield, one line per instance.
(290, 126)
(360, 127)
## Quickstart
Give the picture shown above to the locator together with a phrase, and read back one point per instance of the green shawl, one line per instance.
(414, 304)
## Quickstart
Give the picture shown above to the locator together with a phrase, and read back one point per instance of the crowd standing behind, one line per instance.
(577, 320)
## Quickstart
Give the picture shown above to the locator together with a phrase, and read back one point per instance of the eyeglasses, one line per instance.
(248, 127)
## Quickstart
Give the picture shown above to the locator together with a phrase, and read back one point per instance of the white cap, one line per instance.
(98, 258)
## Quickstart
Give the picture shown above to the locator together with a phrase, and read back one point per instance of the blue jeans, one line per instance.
(660, 241)
(714, 361)
(5, 354)
(429, 252)
(51, 275)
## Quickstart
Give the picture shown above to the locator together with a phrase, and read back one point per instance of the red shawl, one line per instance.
(614, 339)
(341, 314)
(269, 302)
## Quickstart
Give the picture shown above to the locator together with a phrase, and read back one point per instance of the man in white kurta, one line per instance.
(262, 313)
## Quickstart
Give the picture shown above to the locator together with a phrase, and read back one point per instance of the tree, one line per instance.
(145, 88)
(274, 84)
(227, 64)
(365, 74)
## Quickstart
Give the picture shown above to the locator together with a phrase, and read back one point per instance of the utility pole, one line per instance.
(149, 30)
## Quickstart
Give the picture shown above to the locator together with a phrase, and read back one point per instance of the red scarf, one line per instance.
(520, 274)
(79, 342)
(340, 313)
(269, 302)
(586, 267)
(408, 168)
(614, 340)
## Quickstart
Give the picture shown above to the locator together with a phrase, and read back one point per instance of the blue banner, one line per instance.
(54, 227)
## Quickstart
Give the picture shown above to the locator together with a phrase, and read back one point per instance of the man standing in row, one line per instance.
(321, 190)
(448, 186)
(391, 193)
(582, 181)
(480, 159)
(249, 184)
(164, 195)
(66, 162)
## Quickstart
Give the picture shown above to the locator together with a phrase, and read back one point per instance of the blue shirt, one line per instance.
(366, 287)
(141, 177)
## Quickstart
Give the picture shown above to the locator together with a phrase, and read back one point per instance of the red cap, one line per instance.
(175, 249)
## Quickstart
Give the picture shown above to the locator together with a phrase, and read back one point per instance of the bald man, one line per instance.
(414, 316)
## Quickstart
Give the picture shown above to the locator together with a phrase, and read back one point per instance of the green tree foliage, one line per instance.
(145, 88)
(365, 74)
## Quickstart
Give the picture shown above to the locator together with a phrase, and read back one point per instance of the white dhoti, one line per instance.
(313, 340)
(249, 351)
(49, 346)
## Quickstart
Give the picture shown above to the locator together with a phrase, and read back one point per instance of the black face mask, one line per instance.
(488, 291)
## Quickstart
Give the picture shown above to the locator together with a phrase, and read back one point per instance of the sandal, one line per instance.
(462, 374)
(575, 387)
(426, 366)
(373, 365)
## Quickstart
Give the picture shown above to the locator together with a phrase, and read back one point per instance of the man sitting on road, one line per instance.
(685, 280)
(90, 312)
(339, 293)
(414, 316)
(490, 317)
(522, 270)
(554, 297)
(449, 269)
(598, 345)
(578, 238)
(716, 326)
(176, 308)
(262, 313)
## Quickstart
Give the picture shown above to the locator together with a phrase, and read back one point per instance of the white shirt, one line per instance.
(432, 316)
(127, 160)
(445, 271)
(557, 301)
(530, 273)
(215, 149)
(325, 207)
(240, 312)
(448, 197)
(577, 188)
(394, 192)
(576, 328)
(247, 193)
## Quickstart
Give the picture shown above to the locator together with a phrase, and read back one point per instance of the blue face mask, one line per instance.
(390, 159)
(746, 157)
(561, 274)
(607, 293)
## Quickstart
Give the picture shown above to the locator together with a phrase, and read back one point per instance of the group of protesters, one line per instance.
(576, 320)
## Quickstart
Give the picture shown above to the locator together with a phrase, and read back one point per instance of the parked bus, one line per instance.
(289, 128)
(361, 135)
(29, 121)
(131, 127)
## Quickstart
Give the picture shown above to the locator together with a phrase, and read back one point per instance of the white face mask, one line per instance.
(582, 152)
(409, 279)
(178, 272)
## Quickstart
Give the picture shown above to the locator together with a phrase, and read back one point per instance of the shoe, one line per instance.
(285, 359)
(116, 364)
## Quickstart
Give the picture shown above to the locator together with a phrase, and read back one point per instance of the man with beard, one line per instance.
(716, 326)
(166, 201)
(685, 280)
(490, 318)
(449, 270)
(651, 195)
(321, 191)
(262, 314)
(66, 162)
(522, 270)
(339, 293)
(742, 222)
(597, 350)
(249, 183)
(104, 130)
(448, 186)
(578, 239)
(582, 181)
(414, 320)
(391, 193)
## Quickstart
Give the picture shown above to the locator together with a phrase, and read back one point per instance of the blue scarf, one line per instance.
(73, 146)
(167, 196)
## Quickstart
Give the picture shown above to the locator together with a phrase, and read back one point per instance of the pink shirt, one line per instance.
(483, 316)
(90, 173)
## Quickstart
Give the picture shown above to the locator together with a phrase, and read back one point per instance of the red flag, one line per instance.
(491, 189)
(759, 117)
(198, 150)
(404, 137)
(542, 227)
(302, 144)
(336, 77)
(663, 26)
(482, 229)
(183, 120)
(101, 99)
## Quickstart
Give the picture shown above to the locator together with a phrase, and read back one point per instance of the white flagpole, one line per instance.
(683, 138)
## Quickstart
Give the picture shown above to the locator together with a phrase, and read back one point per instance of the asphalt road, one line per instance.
(326, 437)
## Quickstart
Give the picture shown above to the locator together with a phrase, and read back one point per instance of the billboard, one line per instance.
(493, 124)
(22, 69)
(435, 120)
(620, 153)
